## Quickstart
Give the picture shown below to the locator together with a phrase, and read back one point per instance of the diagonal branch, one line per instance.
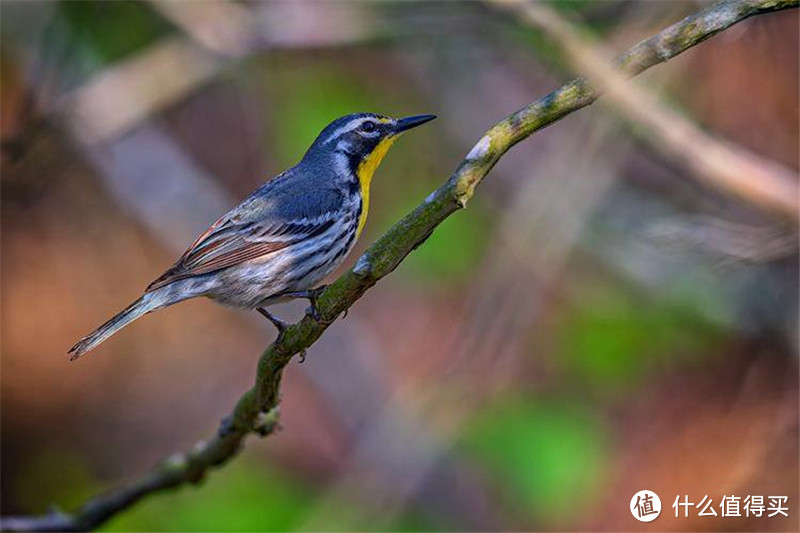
(724, 165)
(257, 410)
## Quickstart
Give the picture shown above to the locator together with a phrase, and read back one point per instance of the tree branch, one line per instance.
(257, 410)
(724, 165)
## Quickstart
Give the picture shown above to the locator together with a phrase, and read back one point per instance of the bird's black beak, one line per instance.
(407, 123)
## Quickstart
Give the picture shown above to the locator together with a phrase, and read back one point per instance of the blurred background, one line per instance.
(597, 322)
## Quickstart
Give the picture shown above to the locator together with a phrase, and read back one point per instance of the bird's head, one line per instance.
(362, 139)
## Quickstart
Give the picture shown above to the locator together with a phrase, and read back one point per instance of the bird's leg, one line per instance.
(312, 296)
(280, 325)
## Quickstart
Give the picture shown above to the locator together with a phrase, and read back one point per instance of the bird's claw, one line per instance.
(313, 312)
(281, 326)
(312, 295)
(313, 299)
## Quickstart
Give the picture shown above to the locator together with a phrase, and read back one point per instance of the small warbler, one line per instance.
(285, 237)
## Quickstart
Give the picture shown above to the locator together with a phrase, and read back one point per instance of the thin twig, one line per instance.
(256, 411)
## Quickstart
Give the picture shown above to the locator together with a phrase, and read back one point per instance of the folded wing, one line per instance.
(228, 243)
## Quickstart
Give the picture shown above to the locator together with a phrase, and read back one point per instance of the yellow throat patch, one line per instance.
(365, 171)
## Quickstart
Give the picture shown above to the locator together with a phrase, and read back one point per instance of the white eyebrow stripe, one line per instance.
(347, 127)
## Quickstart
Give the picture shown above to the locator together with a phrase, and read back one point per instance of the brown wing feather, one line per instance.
(250, 250)
(232, 240)
(226, 244)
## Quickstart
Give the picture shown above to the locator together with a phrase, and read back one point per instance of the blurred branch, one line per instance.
(257, 410)
(226, 28)
(236, 30)
(150, 81)
(719, 163)
(724, 239)
(219, 34)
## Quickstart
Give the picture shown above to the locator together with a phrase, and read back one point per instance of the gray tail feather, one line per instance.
(145, 304)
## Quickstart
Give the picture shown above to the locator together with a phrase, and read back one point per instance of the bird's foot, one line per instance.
(312, 296)
(281, 326)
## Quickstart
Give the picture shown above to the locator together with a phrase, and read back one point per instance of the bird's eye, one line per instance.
(368, 126)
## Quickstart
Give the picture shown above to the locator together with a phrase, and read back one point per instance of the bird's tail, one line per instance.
(149, 302)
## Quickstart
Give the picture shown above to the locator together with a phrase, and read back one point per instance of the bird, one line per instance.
(283, 239)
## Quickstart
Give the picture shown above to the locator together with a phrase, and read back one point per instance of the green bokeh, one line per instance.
(55, 477)
(612, 340)
(306, 97)
(250, 495)
(109, 31)
(246, 495)
(549, 456)
(452, 252)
